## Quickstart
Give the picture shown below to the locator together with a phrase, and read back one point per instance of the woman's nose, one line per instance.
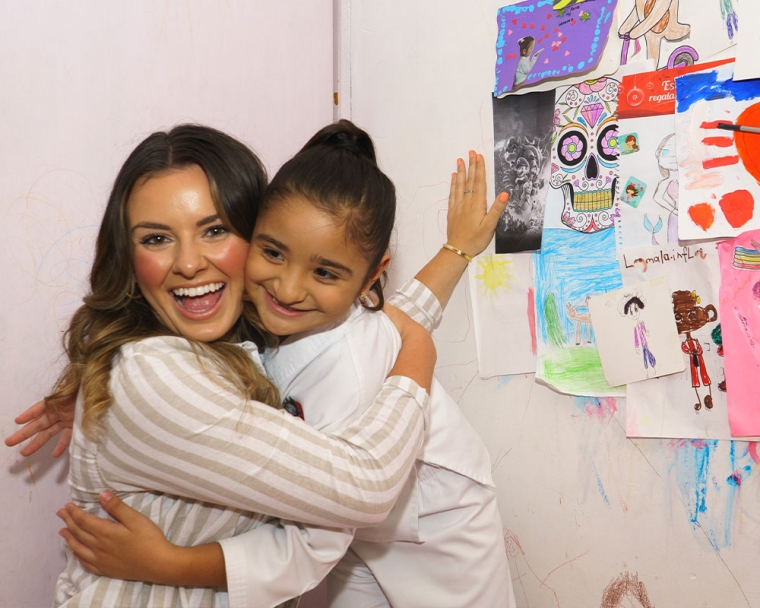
(189, 260)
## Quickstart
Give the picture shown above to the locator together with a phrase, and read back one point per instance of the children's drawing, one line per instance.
(655, 21)
(717, 338)
(571, 267)
(631, 324)
(653, 228)
(719, 169)
(537, 44)
(522, 136)
(673, 33)
(729, 18)
(501, 288)
(631, 305)
(683, 404)
(690, 317)
(585, 154)
(740, 329)
(647, 107)
(626, 591)
(633, 192)
(630, 143)
(582, 319)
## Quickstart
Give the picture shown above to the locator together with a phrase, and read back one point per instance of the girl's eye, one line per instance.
(325, 275)
(271, 254)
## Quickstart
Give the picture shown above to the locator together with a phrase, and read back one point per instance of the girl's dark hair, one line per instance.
(337, 172)
(115, 313)
(634, 300)
(524, 43)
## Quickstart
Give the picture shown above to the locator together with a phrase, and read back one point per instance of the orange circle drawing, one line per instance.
(748, 144)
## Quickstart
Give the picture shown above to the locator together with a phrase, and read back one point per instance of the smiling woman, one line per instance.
(188, 262)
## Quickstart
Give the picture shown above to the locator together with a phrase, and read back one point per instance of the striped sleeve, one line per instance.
(178, 428)
(416, 300)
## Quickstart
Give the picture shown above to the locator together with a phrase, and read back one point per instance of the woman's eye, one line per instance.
(218, 230)
(153, 239)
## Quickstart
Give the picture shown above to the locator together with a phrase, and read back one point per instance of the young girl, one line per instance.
(526, 62)
(317, 254)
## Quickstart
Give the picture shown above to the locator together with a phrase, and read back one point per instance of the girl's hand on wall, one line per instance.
(471, 225)
(41, 425)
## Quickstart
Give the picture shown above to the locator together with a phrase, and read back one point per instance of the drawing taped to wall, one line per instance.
(502, 295)
(655, 21)
(631, 324)
(522, 136)
(585, 154)
(667, 406)
(647, 107)
(540, 45)
(740, 329)
(675, 33)
(719, 169)
(571, 267)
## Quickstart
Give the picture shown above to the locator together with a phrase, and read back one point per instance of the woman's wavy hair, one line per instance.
(337, 172)
(115, 313)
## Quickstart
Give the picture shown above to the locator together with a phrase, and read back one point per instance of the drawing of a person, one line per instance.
(654, 20)
(631, 144)
(526, 62)
(666, 193)
(631, 306)
(690, 317)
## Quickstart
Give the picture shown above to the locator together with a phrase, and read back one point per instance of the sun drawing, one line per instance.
(494, 274)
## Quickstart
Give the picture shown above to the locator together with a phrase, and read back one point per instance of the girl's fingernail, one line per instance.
(472, 153)
(105, 497)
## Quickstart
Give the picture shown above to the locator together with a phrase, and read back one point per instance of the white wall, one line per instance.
(82, 83)
(580, 502)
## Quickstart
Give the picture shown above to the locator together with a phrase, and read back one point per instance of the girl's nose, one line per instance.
(290, 288)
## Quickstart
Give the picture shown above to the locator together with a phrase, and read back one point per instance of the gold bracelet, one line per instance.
(457, 251)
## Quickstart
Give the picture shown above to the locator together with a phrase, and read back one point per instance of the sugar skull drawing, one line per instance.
(585, 154)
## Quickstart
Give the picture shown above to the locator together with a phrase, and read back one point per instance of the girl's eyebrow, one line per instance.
(156, 226)
(333, 265)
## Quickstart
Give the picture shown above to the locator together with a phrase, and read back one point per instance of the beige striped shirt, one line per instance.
(177, 438)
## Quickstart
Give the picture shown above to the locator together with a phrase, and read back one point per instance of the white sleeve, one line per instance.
(174, 427)
(279, 561)
(416, 300)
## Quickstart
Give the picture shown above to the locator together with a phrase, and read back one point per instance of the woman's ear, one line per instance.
(379, 270)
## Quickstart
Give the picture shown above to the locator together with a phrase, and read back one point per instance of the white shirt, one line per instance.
(333, 372)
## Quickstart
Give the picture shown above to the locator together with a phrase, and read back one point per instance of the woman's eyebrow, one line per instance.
(156, 226)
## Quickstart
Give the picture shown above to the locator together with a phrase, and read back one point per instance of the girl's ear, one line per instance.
(379, 270)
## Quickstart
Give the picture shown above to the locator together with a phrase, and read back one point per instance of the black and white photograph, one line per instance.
(522, 127)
